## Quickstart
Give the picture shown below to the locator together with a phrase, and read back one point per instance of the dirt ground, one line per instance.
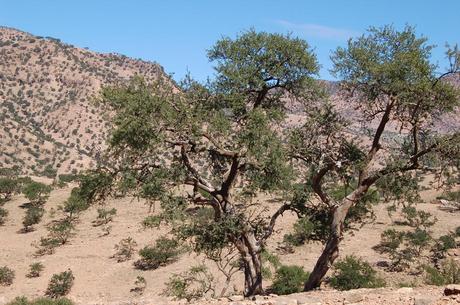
(99, 279)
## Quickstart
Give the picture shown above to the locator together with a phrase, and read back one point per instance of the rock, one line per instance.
(354, 298)
(452, 290)
(424, 300)
(236, 298)
(453, 252)
(307, 300)
(405, 290)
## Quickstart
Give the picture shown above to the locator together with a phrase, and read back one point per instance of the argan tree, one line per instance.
(36, 192)
(387, 76)
(206, 151)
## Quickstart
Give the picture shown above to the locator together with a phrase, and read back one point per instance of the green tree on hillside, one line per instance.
(221, 141)
(36, 192)
(387, 76)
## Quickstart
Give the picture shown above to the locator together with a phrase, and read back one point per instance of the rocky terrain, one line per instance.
(49, 120)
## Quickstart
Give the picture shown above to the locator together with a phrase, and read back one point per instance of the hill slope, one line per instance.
(46, 87)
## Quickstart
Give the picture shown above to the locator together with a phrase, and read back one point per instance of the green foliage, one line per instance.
(35, 269)
(289, 279)
(61, 230)
(418, 218)
(8, 187)
(353, 273)
(36, 192)
(60, 284)
(75, 204)
(446, 242)
(125, 249)
(33, 216)
(40, 301)
(448, 273)
(191, 284)
(6, 276)
(152, 221)
(104, 216)
(165, 251)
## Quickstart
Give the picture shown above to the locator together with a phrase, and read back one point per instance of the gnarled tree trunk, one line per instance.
(331, 249)
(249, 250)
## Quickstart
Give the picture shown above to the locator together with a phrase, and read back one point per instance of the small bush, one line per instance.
(60, 284)
(35, 269)
(6, 276)
(165, 251)
(40, 301)
(61, 230)
(3, 215)
(33, 216)
(104, 216)
(139, 285)
(192, 284)
(125, 249)
(353, 273)
(289, 279)
(448, 273)
(446, 242)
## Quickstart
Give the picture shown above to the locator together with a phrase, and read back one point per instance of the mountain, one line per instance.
(48, 119)
(49, 122)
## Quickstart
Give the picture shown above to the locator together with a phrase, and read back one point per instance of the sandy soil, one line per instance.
(99, 279)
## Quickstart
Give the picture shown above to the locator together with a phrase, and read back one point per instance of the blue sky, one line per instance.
(177, 33)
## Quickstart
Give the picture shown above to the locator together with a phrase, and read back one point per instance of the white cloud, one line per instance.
(318, 30)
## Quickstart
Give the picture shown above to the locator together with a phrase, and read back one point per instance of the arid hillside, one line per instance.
(48, 119)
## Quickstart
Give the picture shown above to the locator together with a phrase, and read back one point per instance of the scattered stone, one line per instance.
(452, 290)
(405, 290)
(453, 252)
(355, 298)
(236, 298)
(424, 300)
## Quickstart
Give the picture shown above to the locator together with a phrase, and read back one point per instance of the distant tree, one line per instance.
(388, 77)
(8, 186)
(221, 141)
(36, 192)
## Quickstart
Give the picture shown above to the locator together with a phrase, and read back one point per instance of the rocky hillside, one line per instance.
(48, 121)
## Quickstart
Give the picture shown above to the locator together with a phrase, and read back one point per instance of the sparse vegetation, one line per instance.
(125, 249)
(35, 269)
(192, 284)
(40, 301)
(6, 276)
(353, 273)
(60, 284)
(165, 251)
(289, 279)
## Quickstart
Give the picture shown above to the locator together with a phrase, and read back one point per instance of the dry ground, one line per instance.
(99, 279)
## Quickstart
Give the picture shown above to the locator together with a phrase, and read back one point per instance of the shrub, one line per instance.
(3, 215)
(33, 216)
(40, 301)
(36, 192)
(289, 279)
(60, 284)
(35, 269)
(75, 204)
(191, 284)
(104, 216)
(446, 242)
(6, 276)
(125, 249)
(60, 230)
(165, 251)
(353, 273)
(448, 273)
(139, 285)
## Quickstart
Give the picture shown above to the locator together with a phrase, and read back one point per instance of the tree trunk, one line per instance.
(331, 249)
(249, 250)
(252, 275)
